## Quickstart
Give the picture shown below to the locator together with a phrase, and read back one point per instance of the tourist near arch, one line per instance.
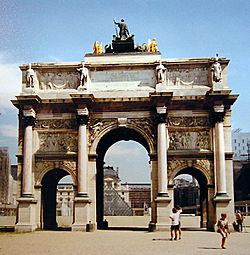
(73, 112)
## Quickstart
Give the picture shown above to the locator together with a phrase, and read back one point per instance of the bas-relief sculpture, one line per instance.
(183, 140)
(58, 80)
(57, 142)
(56, 124)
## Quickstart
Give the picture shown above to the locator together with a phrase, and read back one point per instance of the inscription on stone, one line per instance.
(144, 77)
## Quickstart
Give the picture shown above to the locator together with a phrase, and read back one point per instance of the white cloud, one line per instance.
(10, 83)
(119, 150)
(8, 131)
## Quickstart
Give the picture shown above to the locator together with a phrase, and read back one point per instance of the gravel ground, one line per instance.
(120, 242)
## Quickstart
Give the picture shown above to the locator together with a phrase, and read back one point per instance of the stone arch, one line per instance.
(148, 138)
(177, 166)
(49, 166)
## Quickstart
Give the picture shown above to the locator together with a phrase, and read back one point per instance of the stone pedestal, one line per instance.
(221, 205)
(164, 207)
(81, 216)
(26, 221)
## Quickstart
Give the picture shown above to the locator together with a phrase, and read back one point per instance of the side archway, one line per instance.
(199, 175)
(49, 189)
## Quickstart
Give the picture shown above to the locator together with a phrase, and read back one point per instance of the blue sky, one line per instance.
(51, 31)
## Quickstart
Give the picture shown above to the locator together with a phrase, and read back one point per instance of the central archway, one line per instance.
(104, 144)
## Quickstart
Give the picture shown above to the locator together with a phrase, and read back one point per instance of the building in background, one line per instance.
(241, 167)
(124, 199)
(240, 144)
(64, 199)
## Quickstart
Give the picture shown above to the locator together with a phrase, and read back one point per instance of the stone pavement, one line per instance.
(120, 242)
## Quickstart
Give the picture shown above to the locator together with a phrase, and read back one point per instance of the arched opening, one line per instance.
(50, 198)
(191, 193)
(114, 136)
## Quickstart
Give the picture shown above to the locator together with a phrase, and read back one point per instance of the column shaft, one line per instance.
(162, 159)
(82, 160)
(27, 161)
(220, 158)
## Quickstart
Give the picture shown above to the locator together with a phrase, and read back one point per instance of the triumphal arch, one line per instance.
(71, 113)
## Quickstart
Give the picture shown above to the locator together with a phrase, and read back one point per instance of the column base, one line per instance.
(24, 228)
(26, 215)
(164, 207)
(81, 217)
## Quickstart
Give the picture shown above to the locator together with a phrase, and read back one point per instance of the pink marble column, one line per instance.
(82, 173)
(27, 176)
(162, 152)
(220, 159)
(220, 163)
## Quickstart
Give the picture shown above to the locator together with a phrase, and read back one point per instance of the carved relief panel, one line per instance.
(188, 76)
(58, 80)
(189, 140)
(57, 142)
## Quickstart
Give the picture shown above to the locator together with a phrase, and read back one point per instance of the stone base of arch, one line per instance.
(164, 206)
(81, 214)
(26, 220)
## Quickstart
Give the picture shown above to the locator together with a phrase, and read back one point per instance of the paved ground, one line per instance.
(120, 242)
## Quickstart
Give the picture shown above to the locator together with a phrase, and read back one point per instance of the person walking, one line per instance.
(223, 229)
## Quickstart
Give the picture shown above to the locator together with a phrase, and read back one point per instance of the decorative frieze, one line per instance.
(189, 140)
(189, 121)
(56, 124)
(58, 142)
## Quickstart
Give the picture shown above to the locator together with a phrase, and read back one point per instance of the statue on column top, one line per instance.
(216, 70)
(30, 77)
(161, 73)
(83, 76)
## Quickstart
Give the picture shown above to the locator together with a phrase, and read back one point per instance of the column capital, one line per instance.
(218, 113)
(82, 116)
(28, 121)
(161, 114)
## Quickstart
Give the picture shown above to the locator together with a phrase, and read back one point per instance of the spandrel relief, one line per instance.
(145, 124)
(58, 80)
(57, 142)
(189, 140)
(97, 125)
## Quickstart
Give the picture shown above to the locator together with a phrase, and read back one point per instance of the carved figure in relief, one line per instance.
(30, 77)
(83, 75)
(216, 70)
(161, 73)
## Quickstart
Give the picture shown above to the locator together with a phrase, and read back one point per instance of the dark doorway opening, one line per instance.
(197, 190)
(49, 191)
